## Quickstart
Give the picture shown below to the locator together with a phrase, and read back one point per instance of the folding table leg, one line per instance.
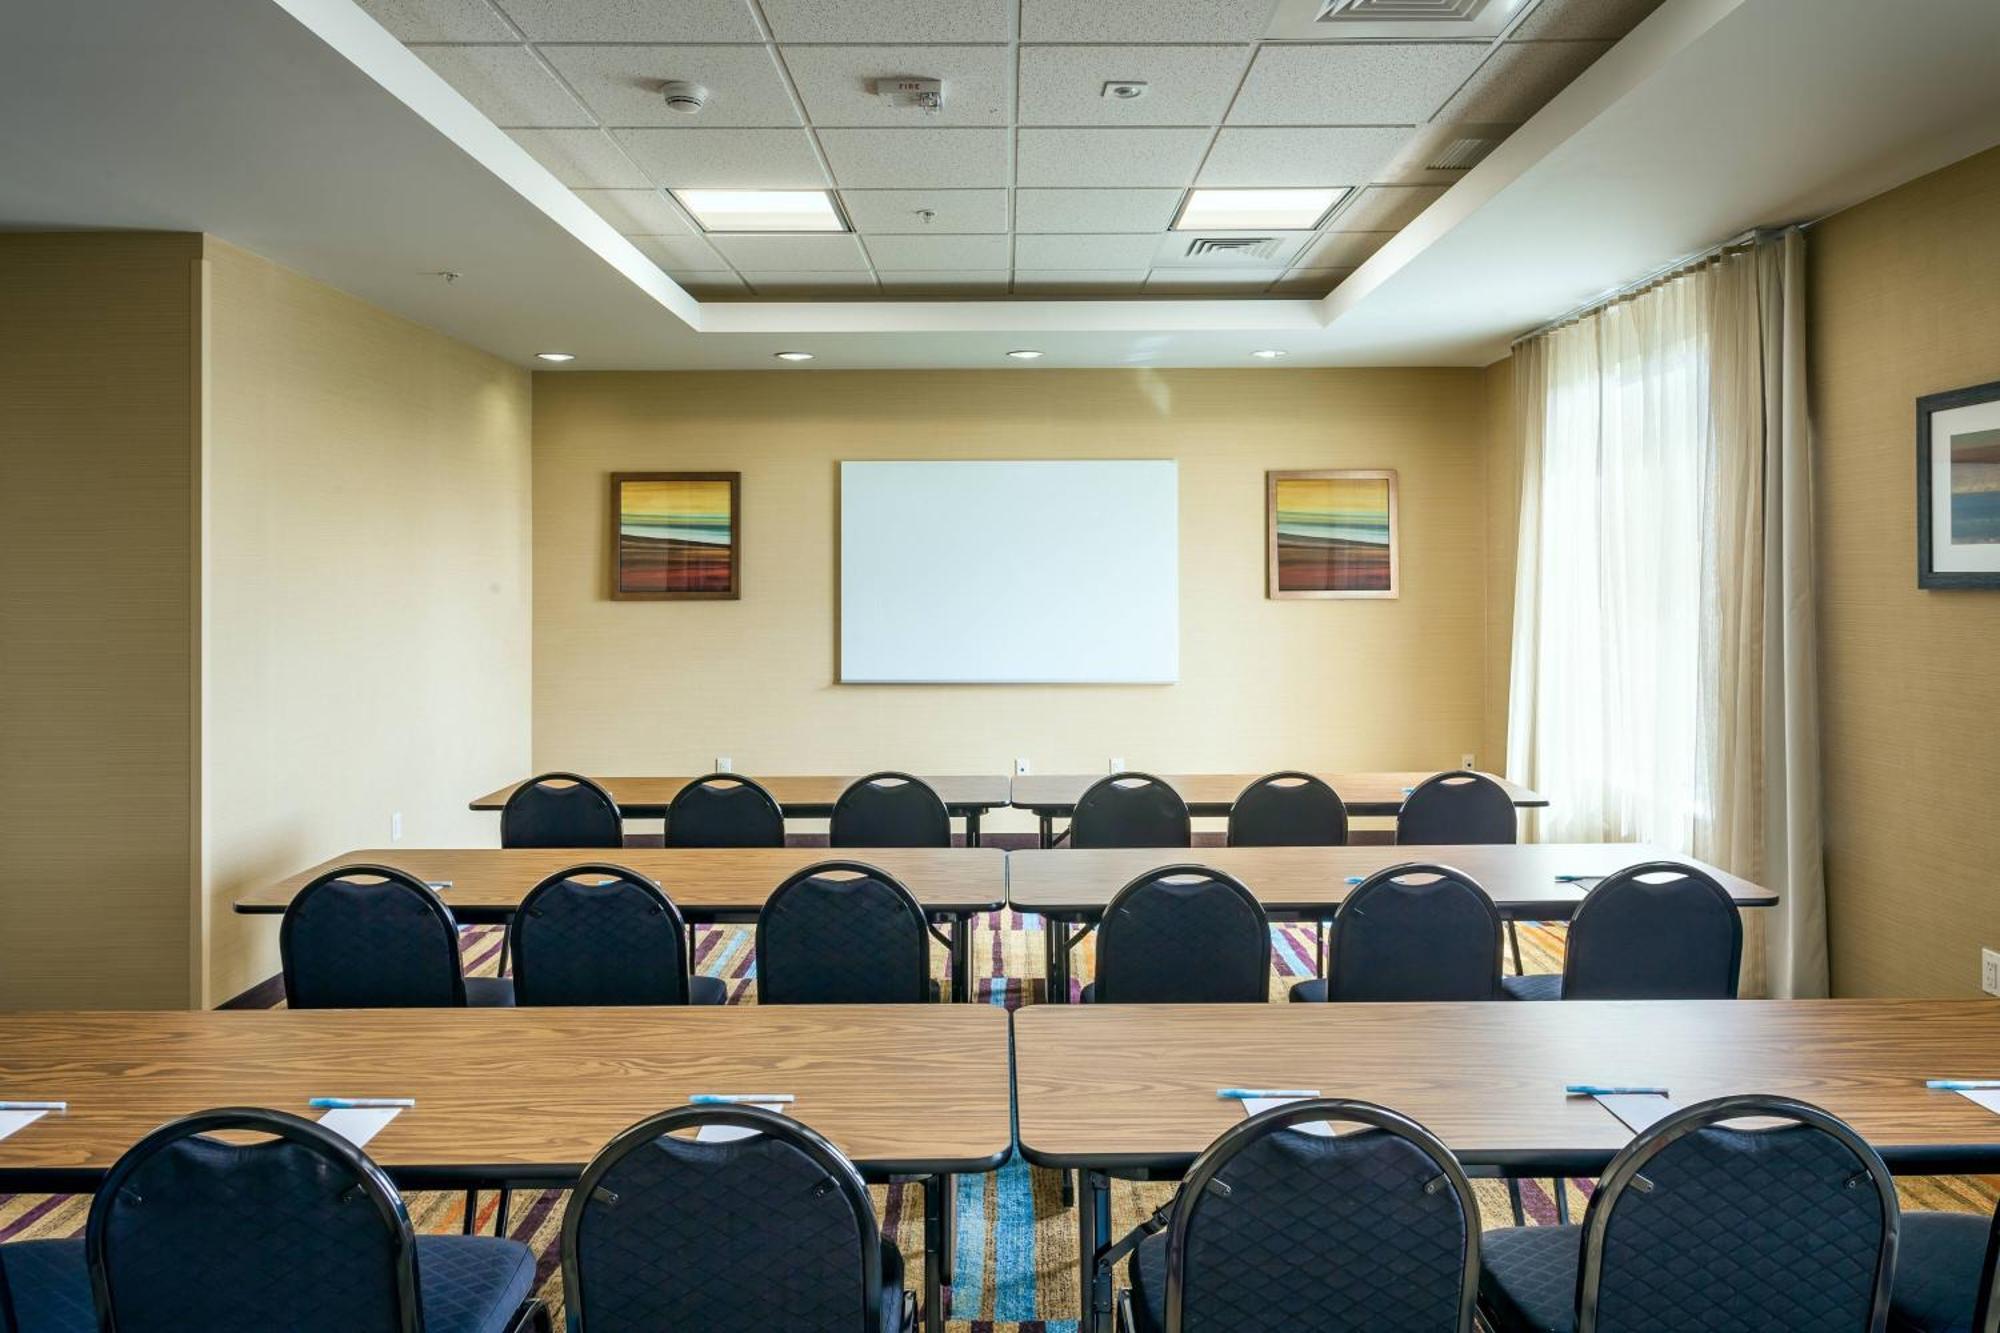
(961, 958)
(1048, 830)
(1093, 1224)
(972, 828)
(934, 1188)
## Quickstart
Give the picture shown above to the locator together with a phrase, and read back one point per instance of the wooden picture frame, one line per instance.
(674, 557)
(1319, 557)
(1958, 488)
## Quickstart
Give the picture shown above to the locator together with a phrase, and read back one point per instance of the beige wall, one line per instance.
(97, 612)
(1904, 300)
(367, 634)
(666, 687)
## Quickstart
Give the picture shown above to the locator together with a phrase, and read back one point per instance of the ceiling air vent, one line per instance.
(1400, 11)
(1396, 20)
(1260, 249)
(1459, 154)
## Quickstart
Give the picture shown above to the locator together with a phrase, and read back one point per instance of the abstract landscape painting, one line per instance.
(1975, 487)
(1332, 534)
(675, 535)
(1958, 489)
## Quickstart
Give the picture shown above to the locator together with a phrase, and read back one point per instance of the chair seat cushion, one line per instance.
(489, 992)
(1149, 1284)
(707, 990)
(1939, 1258)
(1527, 1278)
(50, 1286)
(1534, 986)
(1310, 991)
(473, 1284)
(892, 1290)
(1088, 995)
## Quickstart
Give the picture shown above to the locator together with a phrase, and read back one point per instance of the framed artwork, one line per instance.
(1330, 534)
(675, 536)
(1958, 488)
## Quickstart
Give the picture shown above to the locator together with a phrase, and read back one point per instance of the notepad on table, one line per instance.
(1638, 1108)
(1254, 1105)
(362, 1118)
(778, 1103)
(1984, 1091)
(14, 1120)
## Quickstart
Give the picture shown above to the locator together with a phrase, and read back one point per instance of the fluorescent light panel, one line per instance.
(1257, 210)
(762, 210)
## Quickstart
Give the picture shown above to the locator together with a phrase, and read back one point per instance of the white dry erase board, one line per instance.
(1010, 572)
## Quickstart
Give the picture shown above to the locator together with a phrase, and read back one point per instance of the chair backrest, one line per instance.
(1184, 934)
(1698, 1224)
(1288, 809)
(598, 934)
(724, 810)
(1657, 931)
(1130, 810)
(841, 932)
(561, 810)
(370, 937)
(774, 1231)
(1416, 932)
(1457, 807)
(296, 1231)
(1279, 1228)
(890, 810)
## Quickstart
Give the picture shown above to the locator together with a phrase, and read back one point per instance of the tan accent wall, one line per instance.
(367, 574)
(98, 431)
(1904, 300)
(1503, 527)
(629, 687)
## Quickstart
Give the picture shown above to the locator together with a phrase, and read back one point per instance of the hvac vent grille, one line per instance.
(1400, 11)
(1232, 247)
(1460, 154)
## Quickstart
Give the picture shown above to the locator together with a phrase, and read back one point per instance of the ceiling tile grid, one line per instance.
(1070, 131)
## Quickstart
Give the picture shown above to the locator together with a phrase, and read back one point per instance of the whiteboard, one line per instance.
(1010, 572)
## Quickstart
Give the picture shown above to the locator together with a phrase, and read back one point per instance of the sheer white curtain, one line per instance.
(1662, 675)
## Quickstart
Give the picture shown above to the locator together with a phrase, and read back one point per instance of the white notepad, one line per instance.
(1639, 1110)
(1986, 1097)
(731, 1133)
(358, 1124)
(10, 1121)
(1259, 1105)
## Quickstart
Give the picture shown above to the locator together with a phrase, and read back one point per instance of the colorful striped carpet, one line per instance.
(1016, 1242)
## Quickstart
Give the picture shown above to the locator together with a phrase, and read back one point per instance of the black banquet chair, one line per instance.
(1656, 931)
(724, 810)
(1412, 932)
(1288, 809)
(601, 934)
(1276, 1227)
(561, 810)
(771, 1231)
(45, 1288)
(298, 1230)
(1700, 1224)
(374, 937)
(1457, 808)
(1130, 810)
(841, 932)
(1947, 1274)
(890, 810)
(1182, 934)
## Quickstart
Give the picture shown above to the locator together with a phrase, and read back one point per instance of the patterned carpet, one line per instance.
(1016, 1242)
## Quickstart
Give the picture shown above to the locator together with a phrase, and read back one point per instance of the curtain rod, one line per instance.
(1658, 276)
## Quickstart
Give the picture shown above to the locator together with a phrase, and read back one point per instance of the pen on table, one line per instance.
(34, 1106)
(739, 1098)
(1593, 1090)
(1246, 1094)
(358, 1103)
(1962, 1084)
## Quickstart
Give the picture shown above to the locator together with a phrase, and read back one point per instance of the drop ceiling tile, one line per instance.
(1308, 156)
(792, 254)
(508, 85)
(634, 20)
(891, 20)
(621, 83)
(889, 212)
(1099, 157)
(1080, 211)
(1353, 83)
(582, 158)
(638, 212)
(1309, 281)
(979, 282)
(705, 283)
(1173, 250)
(678, 254)
(726, 159)
(940, 252)
(441, 20)
(1186, 85)
(923, 159)
(1084, 252)
(1386, 207)
(1343, 249)
(837, 84)
(1206, 282)
(1519, 79)
(809, 285)
(1078, 282)
(1606, 20)
(1145, 20)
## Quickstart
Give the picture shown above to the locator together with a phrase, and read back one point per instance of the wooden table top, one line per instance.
(539, 1091)
(803, 797)
(1521, 877)
(1215, 793)
(702, 881)
(1129, 1085)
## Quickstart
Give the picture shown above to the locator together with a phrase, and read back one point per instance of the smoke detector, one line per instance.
(686, 98)
(911, 91)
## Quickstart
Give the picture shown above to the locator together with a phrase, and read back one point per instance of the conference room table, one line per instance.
(1132, 1089)
(1530, 881)
(524, 1096)
(801, 797)
(1053, 796)
(709, 885)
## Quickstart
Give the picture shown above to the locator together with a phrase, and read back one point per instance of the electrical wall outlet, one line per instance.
(1465, 762)
(722, 764)
(1021, 766)
(1118, 763)
(396, 827)
(1989, 971)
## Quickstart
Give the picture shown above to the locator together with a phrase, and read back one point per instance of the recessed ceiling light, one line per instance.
(762, 210)
(555, 356)
(794, 356)
(1267, 354)
(1025, 354)
(1251, 210)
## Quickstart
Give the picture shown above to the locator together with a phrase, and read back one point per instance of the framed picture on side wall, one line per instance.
(1330, 533)
(1958, 488)
(675, 536)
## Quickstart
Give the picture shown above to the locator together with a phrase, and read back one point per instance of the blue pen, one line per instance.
(1962, 1084)
(739, 1098)
(1247, 1094)
(358, 1103)
(1593, 1090)
(1354, 879)
(34, 1106)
